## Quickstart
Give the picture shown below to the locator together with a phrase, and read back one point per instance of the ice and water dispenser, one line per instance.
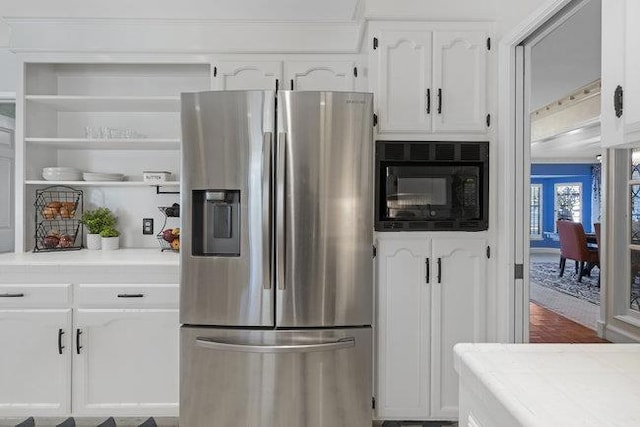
(216, 223)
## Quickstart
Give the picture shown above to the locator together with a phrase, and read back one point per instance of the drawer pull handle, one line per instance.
(130, 295)
(60, 346)
(78, 346)
(11, 295)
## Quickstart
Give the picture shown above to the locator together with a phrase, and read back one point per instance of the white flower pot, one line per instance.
(93, 241)
(110, 243)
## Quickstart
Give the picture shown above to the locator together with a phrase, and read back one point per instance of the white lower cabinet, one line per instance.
(35, 362)
(113, 352)
(430, 296)
(126, 362)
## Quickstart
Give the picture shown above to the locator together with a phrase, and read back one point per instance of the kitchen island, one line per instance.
(514, 385)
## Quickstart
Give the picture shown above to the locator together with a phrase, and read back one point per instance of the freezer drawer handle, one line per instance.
(130, 295)
(342, 343)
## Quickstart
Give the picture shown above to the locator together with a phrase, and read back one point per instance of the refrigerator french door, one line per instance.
(276, 259)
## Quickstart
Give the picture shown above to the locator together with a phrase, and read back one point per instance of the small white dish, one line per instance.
(95, 176)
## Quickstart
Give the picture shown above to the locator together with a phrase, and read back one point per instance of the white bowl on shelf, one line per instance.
(61, 174)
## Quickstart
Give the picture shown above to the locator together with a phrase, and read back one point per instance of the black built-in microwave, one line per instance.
(432, 185)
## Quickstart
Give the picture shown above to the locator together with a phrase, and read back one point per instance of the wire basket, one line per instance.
(57, 219)
(171, 240)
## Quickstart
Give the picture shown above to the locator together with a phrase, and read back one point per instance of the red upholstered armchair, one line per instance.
(573, 245)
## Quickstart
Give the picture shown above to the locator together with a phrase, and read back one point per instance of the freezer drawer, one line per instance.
(268, 378)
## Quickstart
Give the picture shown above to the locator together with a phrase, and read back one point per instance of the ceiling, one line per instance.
(565, 60)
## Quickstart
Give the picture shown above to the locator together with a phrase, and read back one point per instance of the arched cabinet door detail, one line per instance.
(403, 81)
(320, 75)
(246, 75)
(459, 79)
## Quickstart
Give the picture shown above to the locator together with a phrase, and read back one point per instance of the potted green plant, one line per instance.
(110, 239)
(97, 220)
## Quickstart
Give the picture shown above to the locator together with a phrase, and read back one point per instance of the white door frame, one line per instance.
(513, 133)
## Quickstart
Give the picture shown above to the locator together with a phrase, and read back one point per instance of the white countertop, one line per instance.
(84, 257)
(557, 384)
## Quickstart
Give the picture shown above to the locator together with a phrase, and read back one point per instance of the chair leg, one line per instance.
(563, 262)
(577, 267)
(581, 271)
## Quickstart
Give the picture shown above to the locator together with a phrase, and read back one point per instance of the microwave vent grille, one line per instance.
(419, 151)
(470, 152)
(443, 225)
(445, 152)
(419, 225)
(469, 224)
(394, 151)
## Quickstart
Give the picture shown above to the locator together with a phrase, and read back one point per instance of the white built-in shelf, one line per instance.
(103, 183)
(108, 103)
(108, 144)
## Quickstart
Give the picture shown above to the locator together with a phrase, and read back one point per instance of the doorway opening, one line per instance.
(561, 136)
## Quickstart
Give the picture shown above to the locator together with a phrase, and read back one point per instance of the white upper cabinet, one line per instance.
(317, 74)
(403, 86)
(631, 111)
(460, 81)
(246, 75)
(320, 75)
(427, 80)
(620, 67)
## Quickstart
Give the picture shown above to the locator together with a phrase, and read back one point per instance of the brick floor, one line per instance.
(545, 326)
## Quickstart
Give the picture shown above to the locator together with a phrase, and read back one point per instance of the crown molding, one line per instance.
(133, 35)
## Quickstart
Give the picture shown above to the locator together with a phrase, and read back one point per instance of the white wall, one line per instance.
(8, 71)
(434, 10)
(183, 9)
(511, 12)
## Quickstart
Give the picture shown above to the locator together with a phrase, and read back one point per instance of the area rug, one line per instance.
(546, 274)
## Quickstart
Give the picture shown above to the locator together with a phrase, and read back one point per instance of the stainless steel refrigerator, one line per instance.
(276, 259)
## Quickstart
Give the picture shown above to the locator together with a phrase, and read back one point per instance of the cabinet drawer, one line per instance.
(127, 295)
(46, 296)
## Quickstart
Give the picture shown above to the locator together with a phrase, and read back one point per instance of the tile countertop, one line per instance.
(84, 257)
(555, 384)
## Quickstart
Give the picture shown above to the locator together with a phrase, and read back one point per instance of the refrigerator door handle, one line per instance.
(267, 163)
(342, 343)
(281, 209)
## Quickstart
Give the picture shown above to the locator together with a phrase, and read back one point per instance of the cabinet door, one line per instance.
(126, 362)
(458, 314)
(246, 75)
(403, 65)
(35, 362)
(459, 81)
(320, 76)
(632, 69)
(403, 329)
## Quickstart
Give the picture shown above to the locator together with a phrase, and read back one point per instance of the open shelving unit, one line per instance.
(62, 100)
